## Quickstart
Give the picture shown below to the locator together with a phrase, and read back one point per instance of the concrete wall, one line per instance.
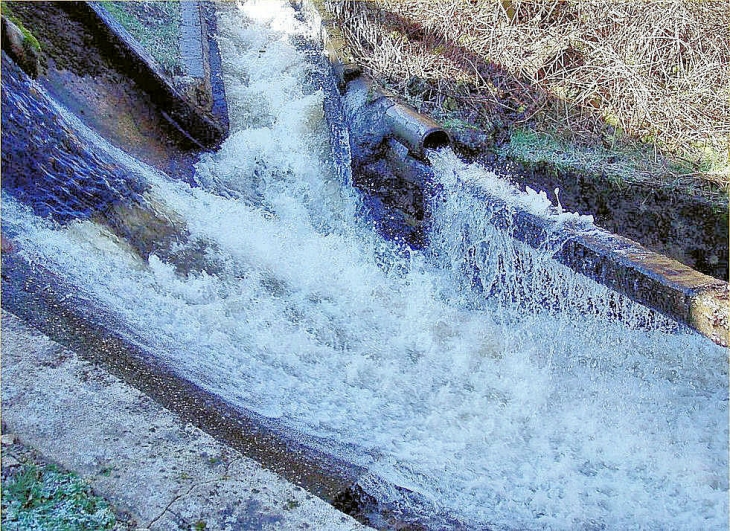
(192, 116)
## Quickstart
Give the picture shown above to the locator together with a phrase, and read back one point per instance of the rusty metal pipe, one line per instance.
(415, 131)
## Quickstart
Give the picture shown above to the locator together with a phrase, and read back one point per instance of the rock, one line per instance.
(12, 40)
(9, 461)
(8, 439)
(21, 47)
(471, 139)
(7, 247)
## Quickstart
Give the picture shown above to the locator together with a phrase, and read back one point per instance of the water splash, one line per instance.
(473, 236)
(500, 409)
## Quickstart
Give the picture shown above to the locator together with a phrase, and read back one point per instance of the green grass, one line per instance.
(45, 497)
(622, 163)
(458, 124)
(155, 25)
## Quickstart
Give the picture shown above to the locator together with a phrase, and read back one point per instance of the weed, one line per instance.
(45, 497)
(458, 124)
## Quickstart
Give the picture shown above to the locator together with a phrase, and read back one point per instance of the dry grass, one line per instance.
(595, 71)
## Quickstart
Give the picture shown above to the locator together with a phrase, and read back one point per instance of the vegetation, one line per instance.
(638, 81)
(29, 39)
(42, 497)
(156, 25)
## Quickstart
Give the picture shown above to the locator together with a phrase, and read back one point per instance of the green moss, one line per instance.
(44, 497)
(28, 38)
(458, 124)
(450, 104)
(623, 164)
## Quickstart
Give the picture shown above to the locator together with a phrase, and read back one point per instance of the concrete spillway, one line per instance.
(474, 382)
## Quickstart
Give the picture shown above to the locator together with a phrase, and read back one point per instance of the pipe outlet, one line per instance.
(415, 131)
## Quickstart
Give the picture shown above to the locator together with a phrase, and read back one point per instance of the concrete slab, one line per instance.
(191, 35)
(141, 457)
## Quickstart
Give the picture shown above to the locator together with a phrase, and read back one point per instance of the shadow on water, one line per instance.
(60, 176)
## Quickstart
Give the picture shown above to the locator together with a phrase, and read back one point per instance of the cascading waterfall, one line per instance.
(473, 237)
(493, 383)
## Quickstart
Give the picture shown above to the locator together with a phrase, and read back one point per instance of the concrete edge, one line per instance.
(202, 128)
(74, 413)
(198, 37)
(336, 49)
(663, 284)
(675, 290)
(36, 295)
(44, 302)
(214, 71)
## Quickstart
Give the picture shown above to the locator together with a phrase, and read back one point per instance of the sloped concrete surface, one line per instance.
(198, 125)
(138, 455)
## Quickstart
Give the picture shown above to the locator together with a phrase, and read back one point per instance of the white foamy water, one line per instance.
(502, 414)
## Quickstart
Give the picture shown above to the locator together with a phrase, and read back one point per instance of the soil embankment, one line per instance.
(566, 96)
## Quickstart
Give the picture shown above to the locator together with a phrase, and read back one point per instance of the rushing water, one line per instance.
(477, 374)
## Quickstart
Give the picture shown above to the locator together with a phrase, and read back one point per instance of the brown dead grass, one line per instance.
(594, 71)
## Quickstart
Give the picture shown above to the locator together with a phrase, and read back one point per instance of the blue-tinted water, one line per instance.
(496, 408)
(46, 165)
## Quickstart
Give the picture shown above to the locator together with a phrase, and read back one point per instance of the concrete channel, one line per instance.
(158, 468)
(69, 340)
(29, 292)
